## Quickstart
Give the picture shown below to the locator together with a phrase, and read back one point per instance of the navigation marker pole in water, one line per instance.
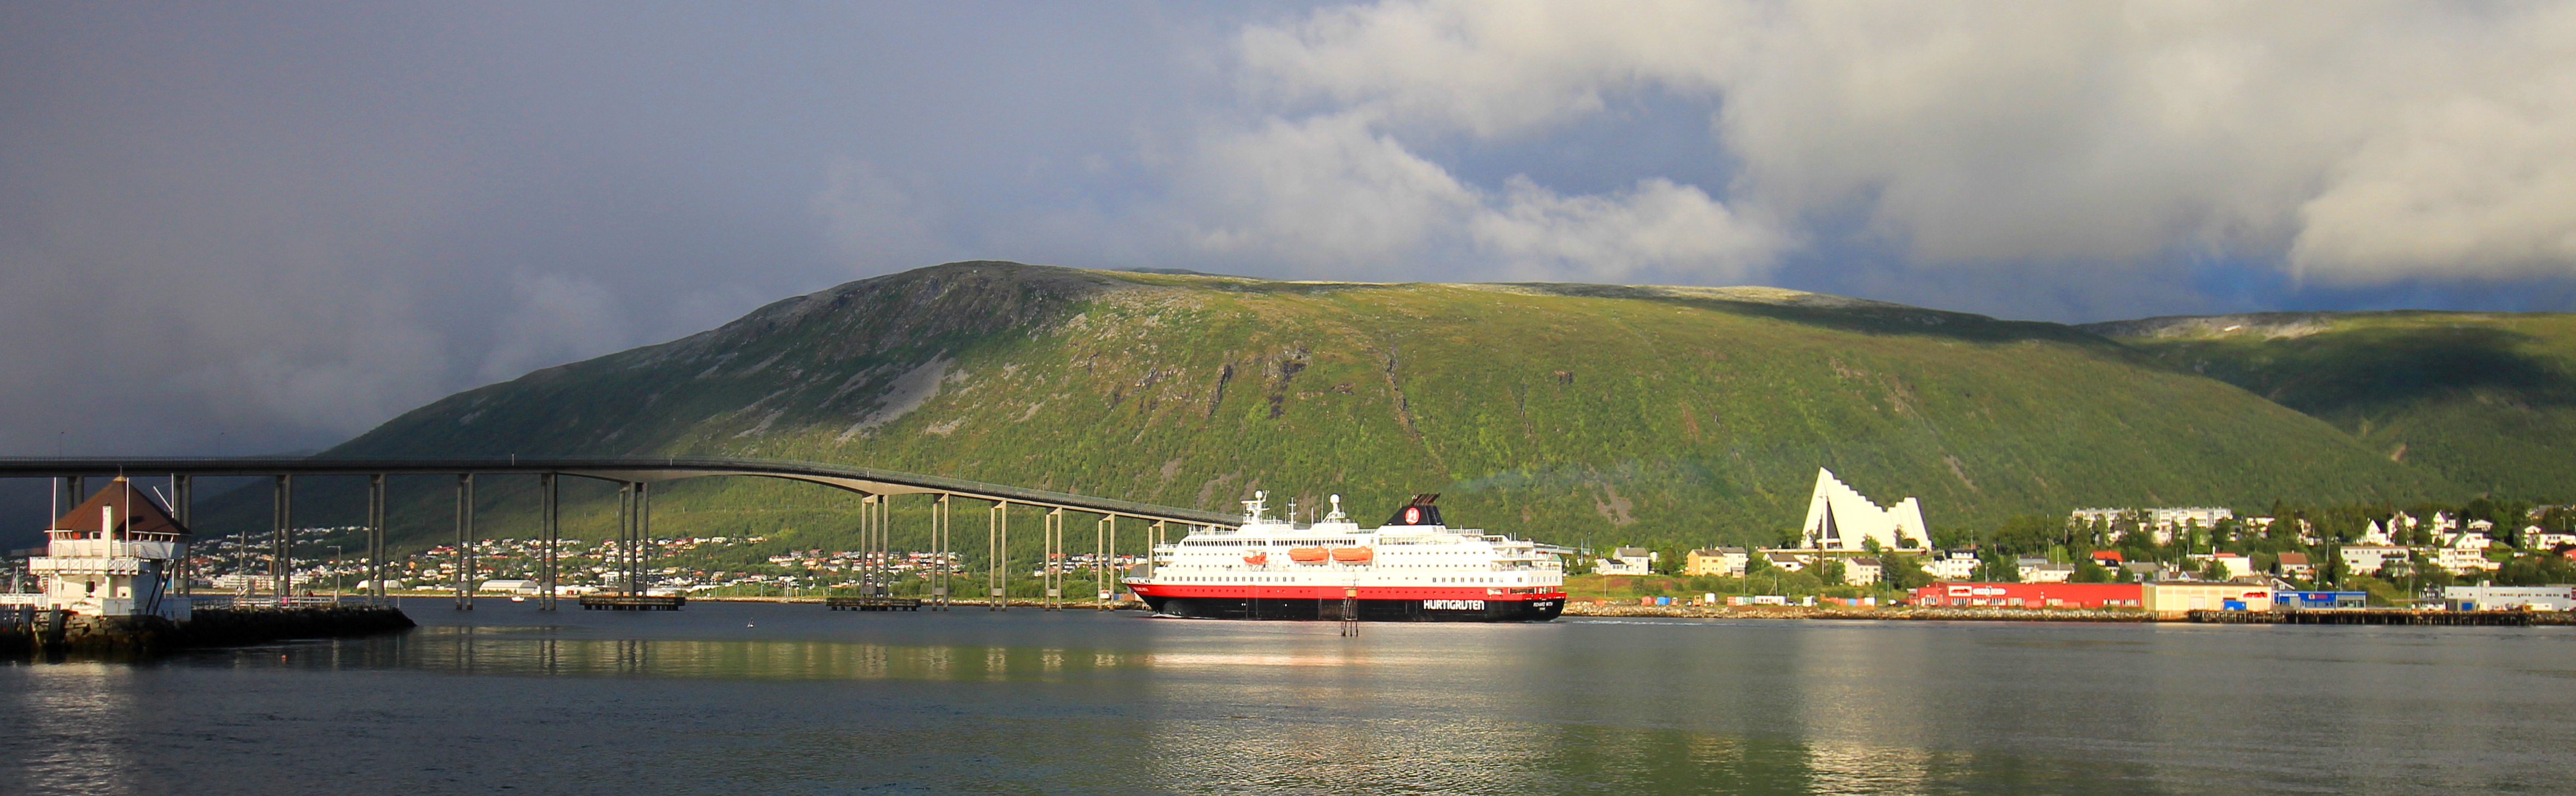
(1350, 611)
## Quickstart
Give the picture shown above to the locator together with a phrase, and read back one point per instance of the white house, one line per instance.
(1952, 565)
(1627, 561)
(112, 555)
(2377, 534)
(2034, 569)
(2365, 559)
(1841, 518)
(2162, 522)
(1786, 561)
(2466, 552)
(1862, 571)
(2235, 565)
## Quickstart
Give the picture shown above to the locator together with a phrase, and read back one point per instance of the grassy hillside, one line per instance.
(2487, 400)
(1570, 413)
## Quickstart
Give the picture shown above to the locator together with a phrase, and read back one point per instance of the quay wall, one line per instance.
(1844, 612)
(1998, 614)
(118, 636)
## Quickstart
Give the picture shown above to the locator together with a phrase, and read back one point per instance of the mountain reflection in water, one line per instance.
(736, 698)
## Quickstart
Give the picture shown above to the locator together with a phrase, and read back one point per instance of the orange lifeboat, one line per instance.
(1307, 555)
(1353, 555)
(1257, 559)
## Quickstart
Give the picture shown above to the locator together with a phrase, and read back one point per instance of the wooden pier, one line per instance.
(872, 603)
(2377, 616)
(630, 602)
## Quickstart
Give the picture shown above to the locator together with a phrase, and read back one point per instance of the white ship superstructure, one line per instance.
(1412, 568)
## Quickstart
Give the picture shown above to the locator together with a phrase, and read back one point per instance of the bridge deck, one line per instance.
(614, 468)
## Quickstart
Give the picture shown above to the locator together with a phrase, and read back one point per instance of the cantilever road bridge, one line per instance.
(635, 477)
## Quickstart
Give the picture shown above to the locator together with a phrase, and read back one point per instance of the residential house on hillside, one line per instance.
(2369, 558)
(1627, 561)
(2039, 570)
(1726, 561)
(2235, 565)
(2466, 553)
(2161, 523)
(2377, 534)
(2294, 565)
(1786, 561)
(1863, 571)
(2109, 559)
(1952, 565)
(2147, 571)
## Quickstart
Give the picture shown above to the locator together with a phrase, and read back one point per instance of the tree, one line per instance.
(2536, 571)
(1903, 572)
(1995, 566)
(2213, 571)
(2086, 571)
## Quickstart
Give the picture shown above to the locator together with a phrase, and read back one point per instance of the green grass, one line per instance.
(1570, 414)
(2485, 400)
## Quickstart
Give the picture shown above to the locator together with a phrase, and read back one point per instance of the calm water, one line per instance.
(769, 699)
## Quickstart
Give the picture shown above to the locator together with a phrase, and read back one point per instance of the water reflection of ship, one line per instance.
(1414, 568)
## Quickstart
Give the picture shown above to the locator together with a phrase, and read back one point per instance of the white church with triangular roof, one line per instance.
(1841, 518)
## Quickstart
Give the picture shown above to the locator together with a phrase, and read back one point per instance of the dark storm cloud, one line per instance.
(276, 225)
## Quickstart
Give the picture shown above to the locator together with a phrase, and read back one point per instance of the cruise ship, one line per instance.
(1412, 569)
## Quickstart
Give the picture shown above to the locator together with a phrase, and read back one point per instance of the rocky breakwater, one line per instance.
(54, 632)
(1598, 609)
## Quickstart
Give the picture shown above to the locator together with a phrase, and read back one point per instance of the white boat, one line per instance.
(1414, 568)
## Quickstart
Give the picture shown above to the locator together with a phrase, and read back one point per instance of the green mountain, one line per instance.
(1568, 413)
(2485, 400)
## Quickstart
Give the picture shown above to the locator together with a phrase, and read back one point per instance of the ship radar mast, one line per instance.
(1336, 515)
(1258, 505)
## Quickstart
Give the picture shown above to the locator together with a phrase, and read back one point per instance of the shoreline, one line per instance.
(2099, 615)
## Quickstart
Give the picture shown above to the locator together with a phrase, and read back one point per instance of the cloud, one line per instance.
(874, 221)
(1655, 229)
(1334, 195)
(559, 318)
(2354, 143)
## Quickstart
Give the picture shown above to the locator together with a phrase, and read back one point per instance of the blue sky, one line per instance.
(246, 227)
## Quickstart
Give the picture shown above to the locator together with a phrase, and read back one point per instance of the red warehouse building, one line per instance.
(2029, 595)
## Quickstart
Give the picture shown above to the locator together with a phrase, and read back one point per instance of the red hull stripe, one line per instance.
(1335, 592)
